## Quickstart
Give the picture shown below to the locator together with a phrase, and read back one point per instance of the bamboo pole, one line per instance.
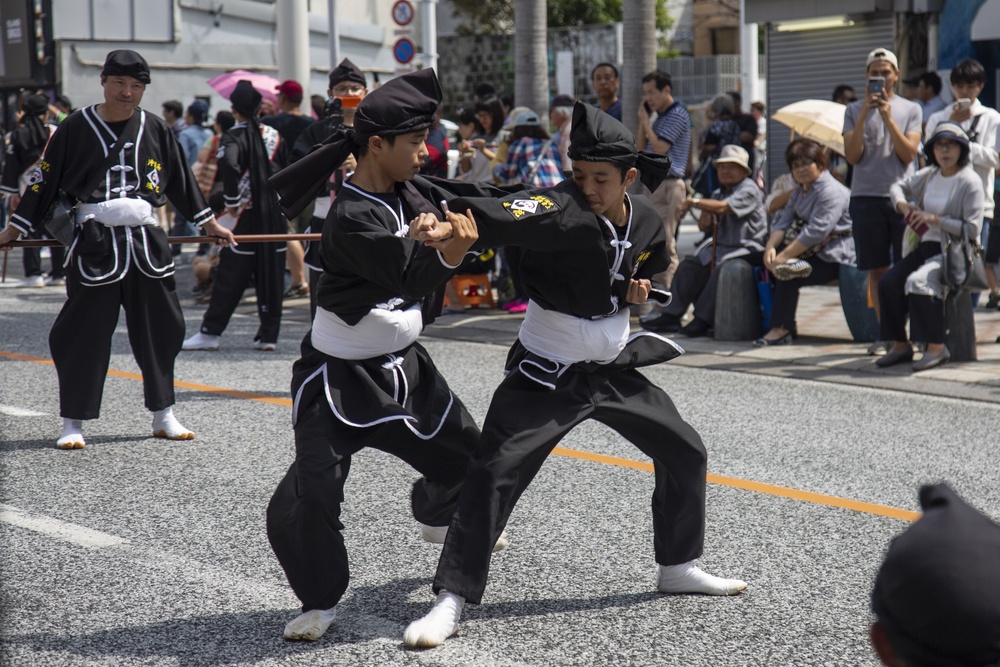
(244, 238)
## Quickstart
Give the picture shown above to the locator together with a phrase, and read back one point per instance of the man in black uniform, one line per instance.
(363, 380)
(249, 154)
(119, 257)
(590, 249)
(347, 88)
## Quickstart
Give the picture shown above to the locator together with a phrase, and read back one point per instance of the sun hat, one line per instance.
(736, 155)
(527, 118)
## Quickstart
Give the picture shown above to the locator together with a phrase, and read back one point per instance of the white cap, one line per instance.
(883, 54)
(736, 155)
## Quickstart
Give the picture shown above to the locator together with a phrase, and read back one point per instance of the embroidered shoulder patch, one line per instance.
(529, 206)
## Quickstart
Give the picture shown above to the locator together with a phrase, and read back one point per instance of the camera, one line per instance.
(333, 111)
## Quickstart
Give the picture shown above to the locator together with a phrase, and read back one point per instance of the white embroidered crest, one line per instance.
(221, 153)
(36, 176)
(526, 205)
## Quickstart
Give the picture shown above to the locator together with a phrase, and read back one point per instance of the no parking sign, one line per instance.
(402, 12)
(404, 50)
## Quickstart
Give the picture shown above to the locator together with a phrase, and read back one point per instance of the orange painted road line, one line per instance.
(734, 482)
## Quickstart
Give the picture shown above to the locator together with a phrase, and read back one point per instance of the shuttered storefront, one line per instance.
(811, 63)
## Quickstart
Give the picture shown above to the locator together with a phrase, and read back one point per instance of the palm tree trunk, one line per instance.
(639, 51)
(531, 75)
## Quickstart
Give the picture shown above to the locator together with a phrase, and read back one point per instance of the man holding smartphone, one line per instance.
(669, 134)
(980, 123)
(883, 147)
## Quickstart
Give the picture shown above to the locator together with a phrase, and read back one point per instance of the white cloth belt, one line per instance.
(323, 205)
(379, 332)
(122, 212)
(568, 340)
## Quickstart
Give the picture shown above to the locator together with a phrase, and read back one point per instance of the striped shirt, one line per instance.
(674, 125)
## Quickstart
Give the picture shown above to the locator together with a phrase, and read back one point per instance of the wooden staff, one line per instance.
(245, 238)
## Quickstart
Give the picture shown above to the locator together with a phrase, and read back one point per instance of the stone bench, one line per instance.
(737, 312)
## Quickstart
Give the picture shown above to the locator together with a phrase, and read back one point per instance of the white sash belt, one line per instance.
(323, 205)
(122, 212)
(379, 332)
(566, 339)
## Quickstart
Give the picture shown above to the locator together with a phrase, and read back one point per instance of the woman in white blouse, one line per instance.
(937, 200)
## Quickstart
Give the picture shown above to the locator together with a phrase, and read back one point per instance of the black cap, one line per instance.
(347, 71)
(35, 105)
(405, 104)
(595, 136)
(125, 62)
(245, 99)
(936, 592)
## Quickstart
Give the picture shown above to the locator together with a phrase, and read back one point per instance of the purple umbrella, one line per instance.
(265, 85)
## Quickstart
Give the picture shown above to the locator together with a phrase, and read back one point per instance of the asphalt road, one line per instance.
(137, 551)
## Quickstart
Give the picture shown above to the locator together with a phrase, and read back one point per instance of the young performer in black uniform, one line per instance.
(24, 149)
(589, 250)
(119, 257)
(249, 154)
(347, 82)
(363, 380)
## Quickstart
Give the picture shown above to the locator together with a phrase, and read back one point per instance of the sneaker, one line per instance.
(696, 328)
(792, 270)
(297, 290)
(55, 281)
(264, 347)
(201, 341)
(32, 281)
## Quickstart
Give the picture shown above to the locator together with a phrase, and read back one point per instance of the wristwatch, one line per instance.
(695, 200)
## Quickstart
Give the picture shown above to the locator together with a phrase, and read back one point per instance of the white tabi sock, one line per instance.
(686, 578)
(165, 425)
(72, 435)
(311, 625)
(438, 625)
(437, 535)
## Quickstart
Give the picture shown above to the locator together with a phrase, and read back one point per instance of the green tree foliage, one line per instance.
(494, 17)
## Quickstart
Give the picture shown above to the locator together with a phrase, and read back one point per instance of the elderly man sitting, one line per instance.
(736, 218)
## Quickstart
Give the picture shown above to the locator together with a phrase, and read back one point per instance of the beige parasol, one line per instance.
(818, 120)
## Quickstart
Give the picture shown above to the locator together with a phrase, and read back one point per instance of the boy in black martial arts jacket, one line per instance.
(589, 250)
(363, 380)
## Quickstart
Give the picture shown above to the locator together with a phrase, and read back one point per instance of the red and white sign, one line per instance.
(402, 12)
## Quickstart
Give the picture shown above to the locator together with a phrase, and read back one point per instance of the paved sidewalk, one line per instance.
(824, 351)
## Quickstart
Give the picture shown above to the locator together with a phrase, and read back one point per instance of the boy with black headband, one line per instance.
(590, 249)
(363, 380)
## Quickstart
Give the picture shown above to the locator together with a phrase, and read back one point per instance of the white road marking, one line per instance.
(61, 530)
(14, 411)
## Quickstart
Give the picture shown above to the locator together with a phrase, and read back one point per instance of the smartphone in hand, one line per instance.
(876, 85)
(649, 109)
(920, 229)
(962, 104)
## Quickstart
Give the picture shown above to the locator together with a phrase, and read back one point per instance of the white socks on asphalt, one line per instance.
(686, 578)
(165, 425)
(311, 625)
(72, 435)
(437, 534)
(438, 625)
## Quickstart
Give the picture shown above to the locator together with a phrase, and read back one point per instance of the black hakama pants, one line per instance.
(80, 339)
(303, 517)
(524, 424)
(267, 267)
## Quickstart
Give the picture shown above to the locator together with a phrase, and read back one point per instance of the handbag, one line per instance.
(60, 218)
(962, 265)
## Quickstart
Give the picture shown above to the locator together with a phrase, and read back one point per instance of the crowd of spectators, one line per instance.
(859, 206)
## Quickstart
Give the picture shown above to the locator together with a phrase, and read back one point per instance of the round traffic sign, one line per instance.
(404, 50)
(402, 12)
